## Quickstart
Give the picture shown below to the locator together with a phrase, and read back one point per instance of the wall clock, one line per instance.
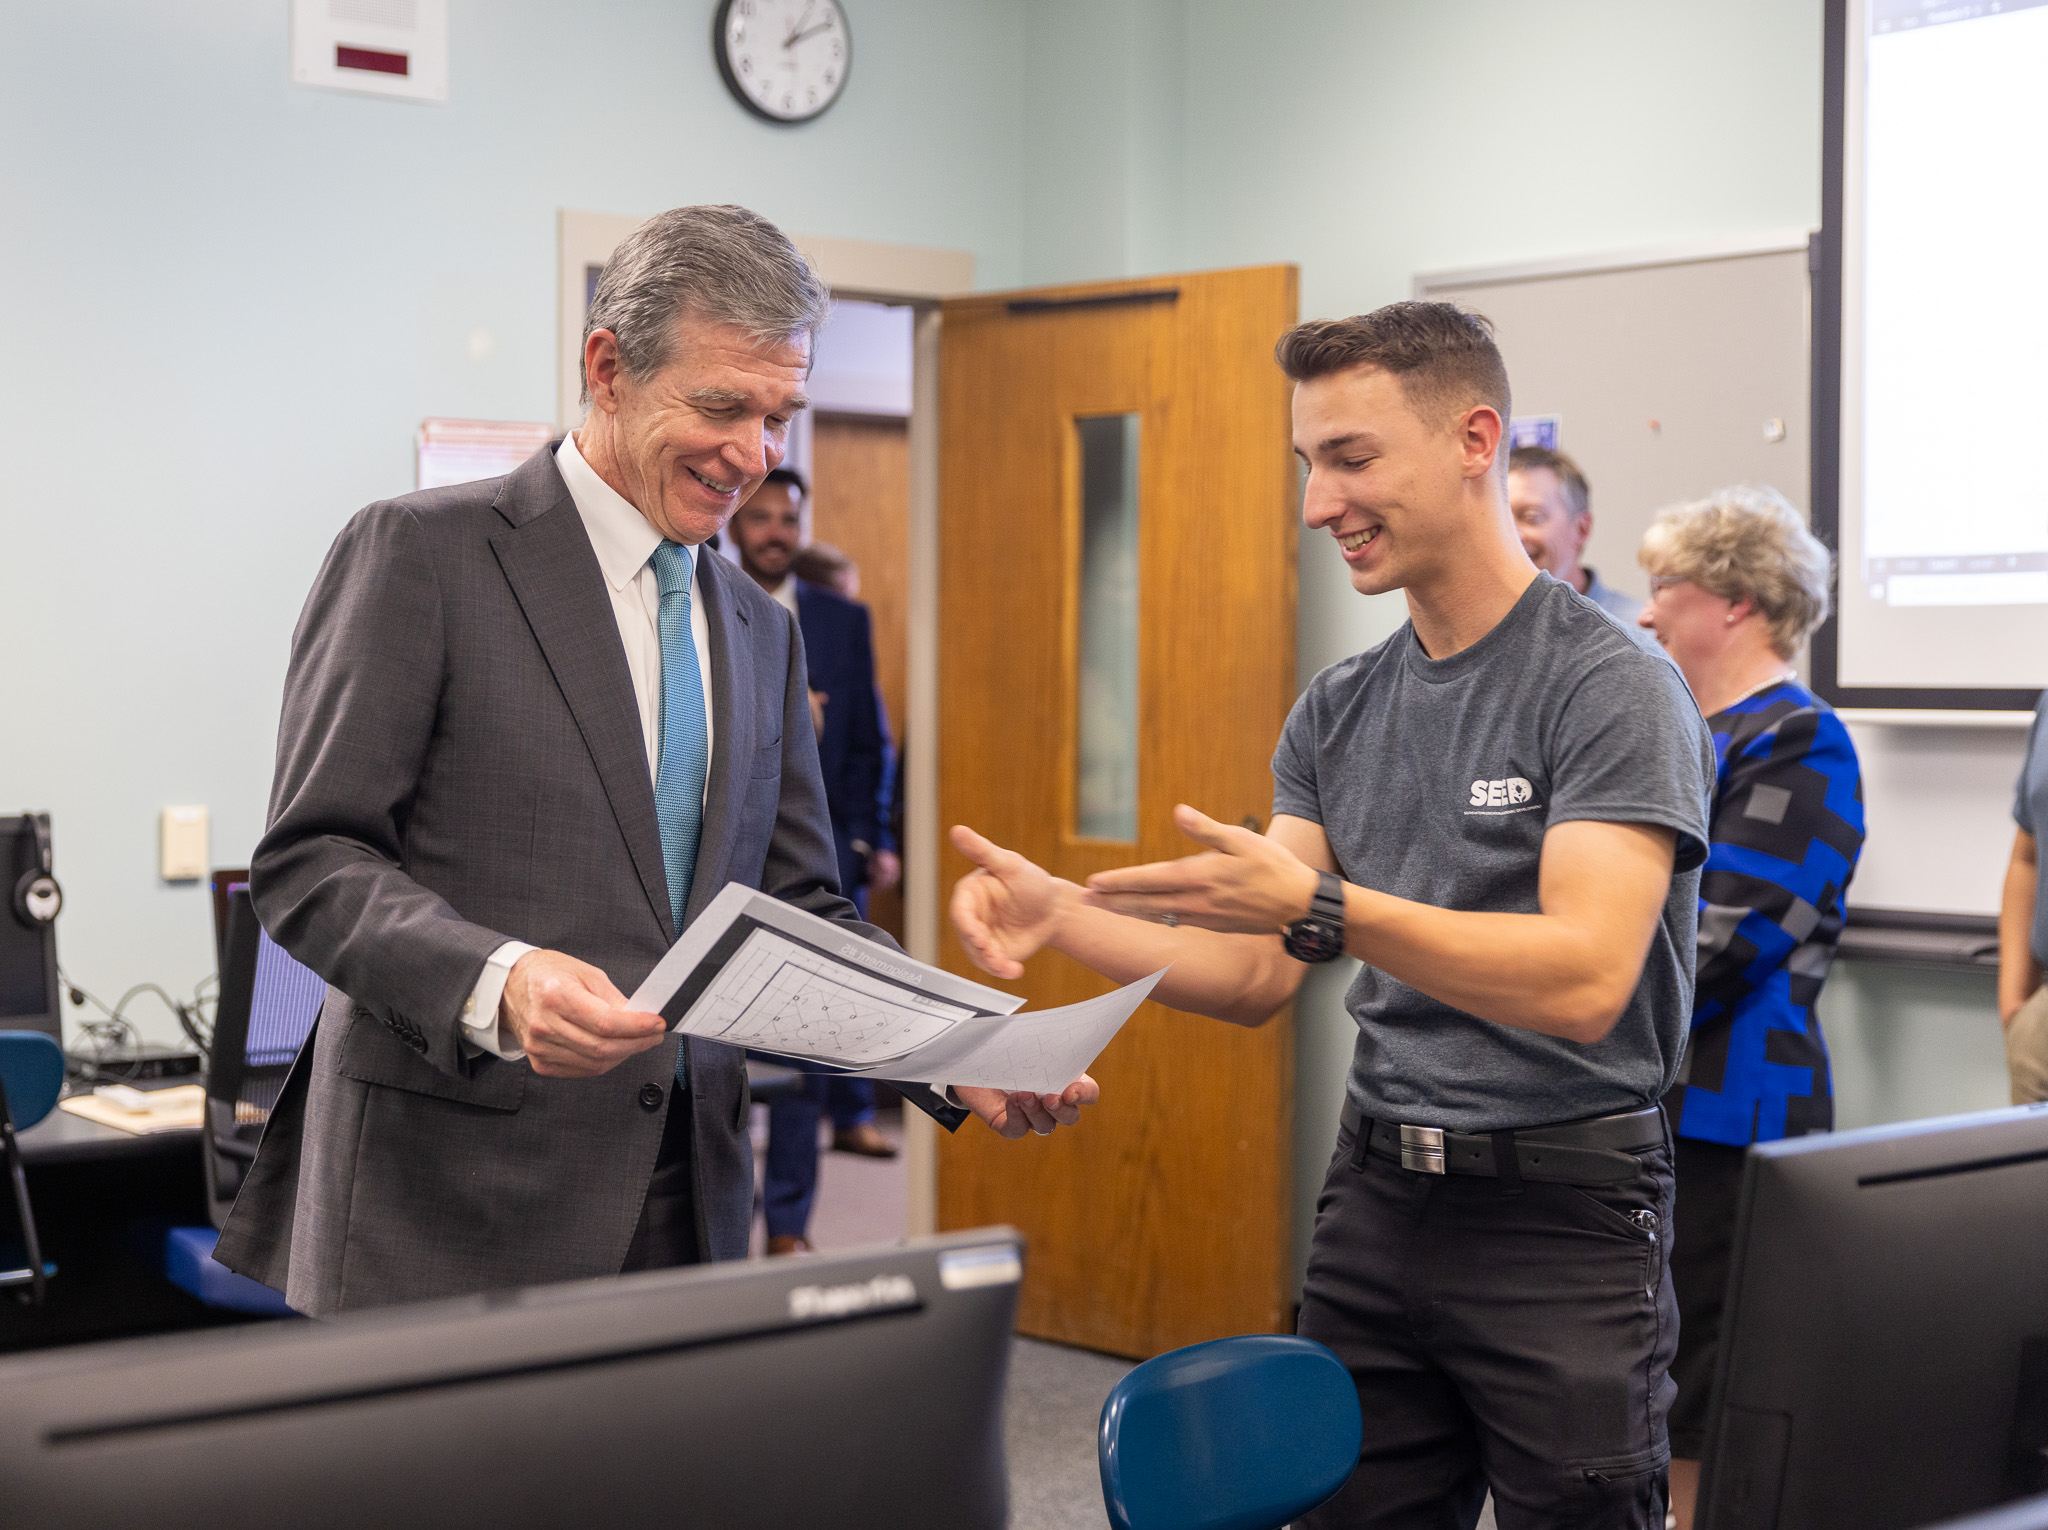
(785, 60)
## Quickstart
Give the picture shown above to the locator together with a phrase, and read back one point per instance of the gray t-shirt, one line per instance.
(2029, 808)
(1435, 781)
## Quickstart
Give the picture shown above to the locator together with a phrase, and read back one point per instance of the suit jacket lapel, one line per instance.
(732, 725)
(547, 559)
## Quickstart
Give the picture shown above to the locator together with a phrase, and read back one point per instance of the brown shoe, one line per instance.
(865, 1139)
(783, 1244)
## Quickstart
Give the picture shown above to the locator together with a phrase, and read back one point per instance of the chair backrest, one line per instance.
(268, 1003)
(1236, 1434)
(32, 1072)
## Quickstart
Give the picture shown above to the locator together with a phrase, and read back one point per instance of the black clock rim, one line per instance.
(738, 91)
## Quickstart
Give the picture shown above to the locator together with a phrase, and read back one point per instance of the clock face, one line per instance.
(785, 60)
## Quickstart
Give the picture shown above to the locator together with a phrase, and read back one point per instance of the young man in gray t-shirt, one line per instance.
(1501, 810)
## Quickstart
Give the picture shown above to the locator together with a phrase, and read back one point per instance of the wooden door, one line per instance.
(860, 503)
(1162, 1220)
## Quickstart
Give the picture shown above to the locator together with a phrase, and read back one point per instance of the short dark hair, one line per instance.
(790, 476)
(819, 563)
(1443, 355)
(1577, 495)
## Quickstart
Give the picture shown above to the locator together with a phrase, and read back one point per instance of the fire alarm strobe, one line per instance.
(378, 47)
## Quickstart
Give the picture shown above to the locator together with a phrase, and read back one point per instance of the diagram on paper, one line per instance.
(778, 996)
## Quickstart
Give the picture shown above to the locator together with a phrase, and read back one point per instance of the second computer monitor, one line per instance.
(28, 948)
(1884, 1352)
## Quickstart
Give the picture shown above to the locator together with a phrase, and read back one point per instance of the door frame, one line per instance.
(903, 275)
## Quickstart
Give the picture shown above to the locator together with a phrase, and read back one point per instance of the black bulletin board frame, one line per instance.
(1825, 263)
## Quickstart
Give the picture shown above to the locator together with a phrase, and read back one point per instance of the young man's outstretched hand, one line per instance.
(1021, 908)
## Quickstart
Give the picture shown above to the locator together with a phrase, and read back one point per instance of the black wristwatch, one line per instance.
(1318, 936)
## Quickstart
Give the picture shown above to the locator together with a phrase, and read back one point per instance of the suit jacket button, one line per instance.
(651, 1096)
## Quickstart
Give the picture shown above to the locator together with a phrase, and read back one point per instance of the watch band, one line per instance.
(1318, 936)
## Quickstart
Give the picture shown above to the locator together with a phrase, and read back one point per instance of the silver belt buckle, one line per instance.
(1422, 1149)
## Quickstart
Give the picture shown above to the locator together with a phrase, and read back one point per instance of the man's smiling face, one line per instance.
(693, 441)
(1385, 483)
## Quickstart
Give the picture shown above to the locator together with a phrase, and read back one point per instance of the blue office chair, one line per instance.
(1235, 1434)
(31, 1078)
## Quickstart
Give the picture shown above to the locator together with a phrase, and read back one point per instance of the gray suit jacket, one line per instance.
(460, 763)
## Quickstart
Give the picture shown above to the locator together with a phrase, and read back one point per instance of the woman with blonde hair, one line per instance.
(1737, 584)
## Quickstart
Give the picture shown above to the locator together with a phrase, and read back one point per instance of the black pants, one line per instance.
(1710, 1180)
(666, 1236)
(1519, 1342)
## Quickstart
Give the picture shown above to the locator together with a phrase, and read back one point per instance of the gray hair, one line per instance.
(722, 264)
(1747, 541)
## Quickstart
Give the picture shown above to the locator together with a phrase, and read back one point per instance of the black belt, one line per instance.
(1600, 1151)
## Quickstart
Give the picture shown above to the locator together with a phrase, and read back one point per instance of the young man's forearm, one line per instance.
(1244, 979)
(1536, 972)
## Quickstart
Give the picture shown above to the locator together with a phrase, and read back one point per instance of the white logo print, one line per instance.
(1508, 792)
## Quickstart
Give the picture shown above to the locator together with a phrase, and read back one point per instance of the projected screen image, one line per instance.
(1944, 507)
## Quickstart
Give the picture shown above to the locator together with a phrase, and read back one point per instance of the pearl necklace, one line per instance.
(1790, 674)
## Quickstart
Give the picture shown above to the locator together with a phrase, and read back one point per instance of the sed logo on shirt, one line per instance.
(1510, 791)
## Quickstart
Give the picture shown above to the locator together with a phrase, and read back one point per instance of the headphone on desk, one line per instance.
(37, 897)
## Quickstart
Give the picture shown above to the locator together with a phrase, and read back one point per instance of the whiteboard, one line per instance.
(1712, 343)
(1665, 370)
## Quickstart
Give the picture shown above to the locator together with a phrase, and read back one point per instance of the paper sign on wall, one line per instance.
(462, 451)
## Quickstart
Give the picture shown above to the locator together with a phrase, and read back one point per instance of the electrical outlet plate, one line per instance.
(181, 834)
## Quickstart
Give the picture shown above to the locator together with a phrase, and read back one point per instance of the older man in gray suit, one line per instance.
(530, 729)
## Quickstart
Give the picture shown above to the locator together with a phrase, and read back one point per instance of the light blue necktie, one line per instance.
(685, 751)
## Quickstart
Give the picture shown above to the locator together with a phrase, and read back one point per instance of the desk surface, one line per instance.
(61, 1137)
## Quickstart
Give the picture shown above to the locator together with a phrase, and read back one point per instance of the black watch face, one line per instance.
(1314, 940)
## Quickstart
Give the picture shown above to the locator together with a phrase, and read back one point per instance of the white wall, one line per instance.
(226, 303)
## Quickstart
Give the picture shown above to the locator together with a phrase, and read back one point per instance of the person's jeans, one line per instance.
(791, 1179)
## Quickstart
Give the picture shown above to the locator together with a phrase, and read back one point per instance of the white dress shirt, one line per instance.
(624, 540)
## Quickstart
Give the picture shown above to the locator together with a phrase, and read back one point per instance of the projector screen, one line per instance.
(1931, 335)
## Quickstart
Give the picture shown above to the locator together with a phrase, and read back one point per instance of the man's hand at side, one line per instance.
(570, 1019)
(1014, 1114)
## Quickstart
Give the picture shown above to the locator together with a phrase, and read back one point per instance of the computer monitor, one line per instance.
(222, 883)
(856, 1390)
(1884, 1350)
(268, 999)
(28, 951)
(2030, 1515)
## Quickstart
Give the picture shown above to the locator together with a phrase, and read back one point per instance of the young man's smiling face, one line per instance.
(1384, 481)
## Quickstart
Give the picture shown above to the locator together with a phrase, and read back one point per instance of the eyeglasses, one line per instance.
(1659, 583)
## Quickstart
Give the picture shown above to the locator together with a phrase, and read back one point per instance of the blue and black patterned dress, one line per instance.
(1784, 834)
(1786, 830)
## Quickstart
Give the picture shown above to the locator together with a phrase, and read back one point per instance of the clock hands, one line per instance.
(798, 31)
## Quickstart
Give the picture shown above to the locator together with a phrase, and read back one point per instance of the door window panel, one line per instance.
(1106, 727)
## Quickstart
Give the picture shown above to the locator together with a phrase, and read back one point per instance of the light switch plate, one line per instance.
(182, 837)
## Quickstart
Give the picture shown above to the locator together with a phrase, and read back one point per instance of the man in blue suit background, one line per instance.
(855, 757)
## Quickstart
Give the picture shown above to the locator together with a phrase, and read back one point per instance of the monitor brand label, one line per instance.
(884, 1291)
(994, 1264)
